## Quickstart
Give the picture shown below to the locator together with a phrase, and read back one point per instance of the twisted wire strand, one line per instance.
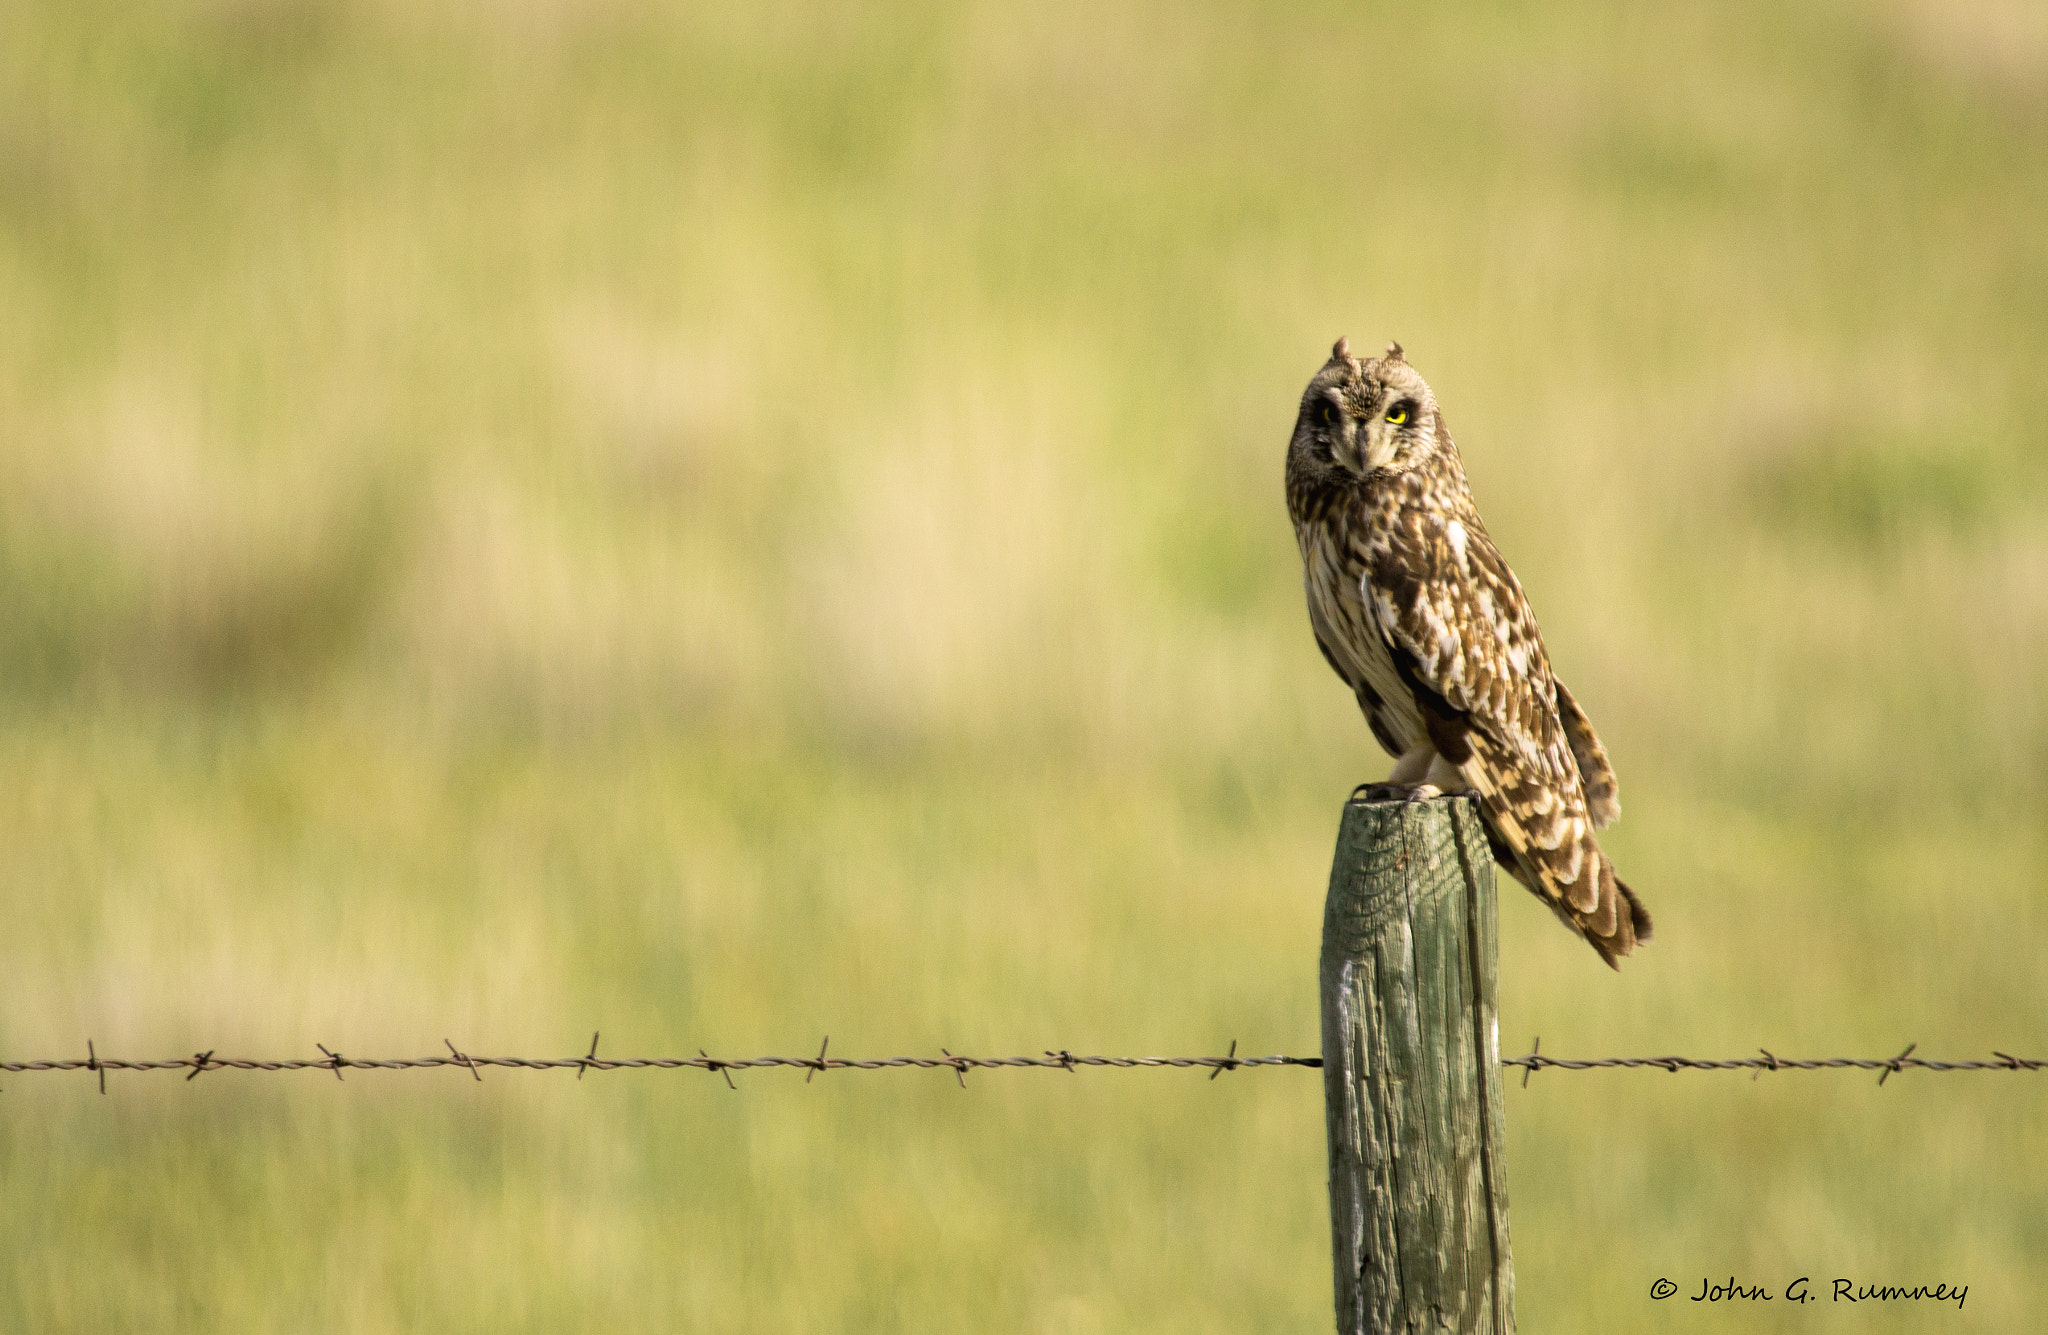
(960, 1065)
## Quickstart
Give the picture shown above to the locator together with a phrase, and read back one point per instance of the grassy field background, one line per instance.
(728, 524)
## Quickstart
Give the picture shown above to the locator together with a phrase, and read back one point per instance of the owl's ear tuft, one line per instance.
(1341, 352)
(1394, 352)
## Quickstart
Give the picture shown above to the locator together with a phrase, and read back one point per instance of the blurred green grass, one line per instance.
(729, 526)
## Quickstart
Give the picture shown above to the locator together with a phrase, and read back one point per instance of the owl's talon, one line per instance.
(1395, 792)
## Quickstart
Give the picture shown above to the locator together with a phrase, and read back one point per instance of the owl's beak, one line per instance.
(1374, 451)
(1352, 454)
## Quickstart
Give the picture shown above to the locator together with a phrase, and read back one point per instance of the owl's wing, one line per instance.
(1596, 775)
(1463, 638)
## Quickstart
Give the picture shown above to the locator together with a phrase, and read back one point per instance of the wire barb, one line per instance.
(199, 1060)
(1228, 1063)
(1531, 1062)
(334, 1060)
(591, 1059)
(959, 1065)
(819, 1064)
(1891, 1068)
(711, 1063)
(462, 1059)
(92, 1063)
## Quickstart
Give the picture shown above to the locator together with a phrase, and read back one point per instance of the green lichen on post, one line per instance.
(1411, 1073)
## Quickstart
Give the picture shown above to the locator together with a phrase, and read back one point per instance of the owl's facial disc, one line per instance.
(1399, 425)
(1380, 444)
(1326, 427)
(1390, 434)
(1366, 417)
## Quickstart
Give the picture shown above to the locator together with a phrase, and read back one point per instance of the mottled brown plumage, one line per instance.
(1417, 612)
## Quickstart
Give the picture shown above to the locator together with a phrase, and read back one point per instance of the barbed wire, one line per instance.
(329, 1060)
(1532, 1062)
(1535, 1061)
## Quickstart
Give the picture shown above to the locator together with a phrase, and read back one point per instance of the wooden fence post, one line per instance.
(1411, 1073)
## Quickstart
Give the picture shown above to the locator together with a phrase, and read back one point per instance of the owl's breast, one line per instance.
(1333, 575)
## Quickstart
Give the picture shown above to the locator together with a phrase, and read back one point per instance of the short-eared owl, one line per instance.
(1421, 617)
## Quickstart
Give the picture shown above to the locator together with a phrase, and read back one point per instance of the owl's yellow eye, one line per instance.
(1397, 415)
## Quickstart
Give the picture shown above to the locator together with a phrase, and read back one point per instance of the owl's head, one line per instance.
(1372, 416)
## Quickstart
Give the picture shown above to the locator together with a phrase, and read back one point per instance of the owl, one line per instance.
(1417, 612)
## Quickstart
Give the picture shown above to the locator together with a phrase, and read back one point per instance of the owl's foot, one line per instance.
(1396, 792)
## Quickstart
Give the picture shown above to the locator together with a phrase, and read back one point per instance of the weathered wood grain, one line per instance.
(1411, 1074)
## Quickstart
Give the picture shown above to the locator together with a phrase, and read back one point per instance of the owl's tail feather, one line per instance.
(1615, 923)
(1639, 917)
(1606, 912)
